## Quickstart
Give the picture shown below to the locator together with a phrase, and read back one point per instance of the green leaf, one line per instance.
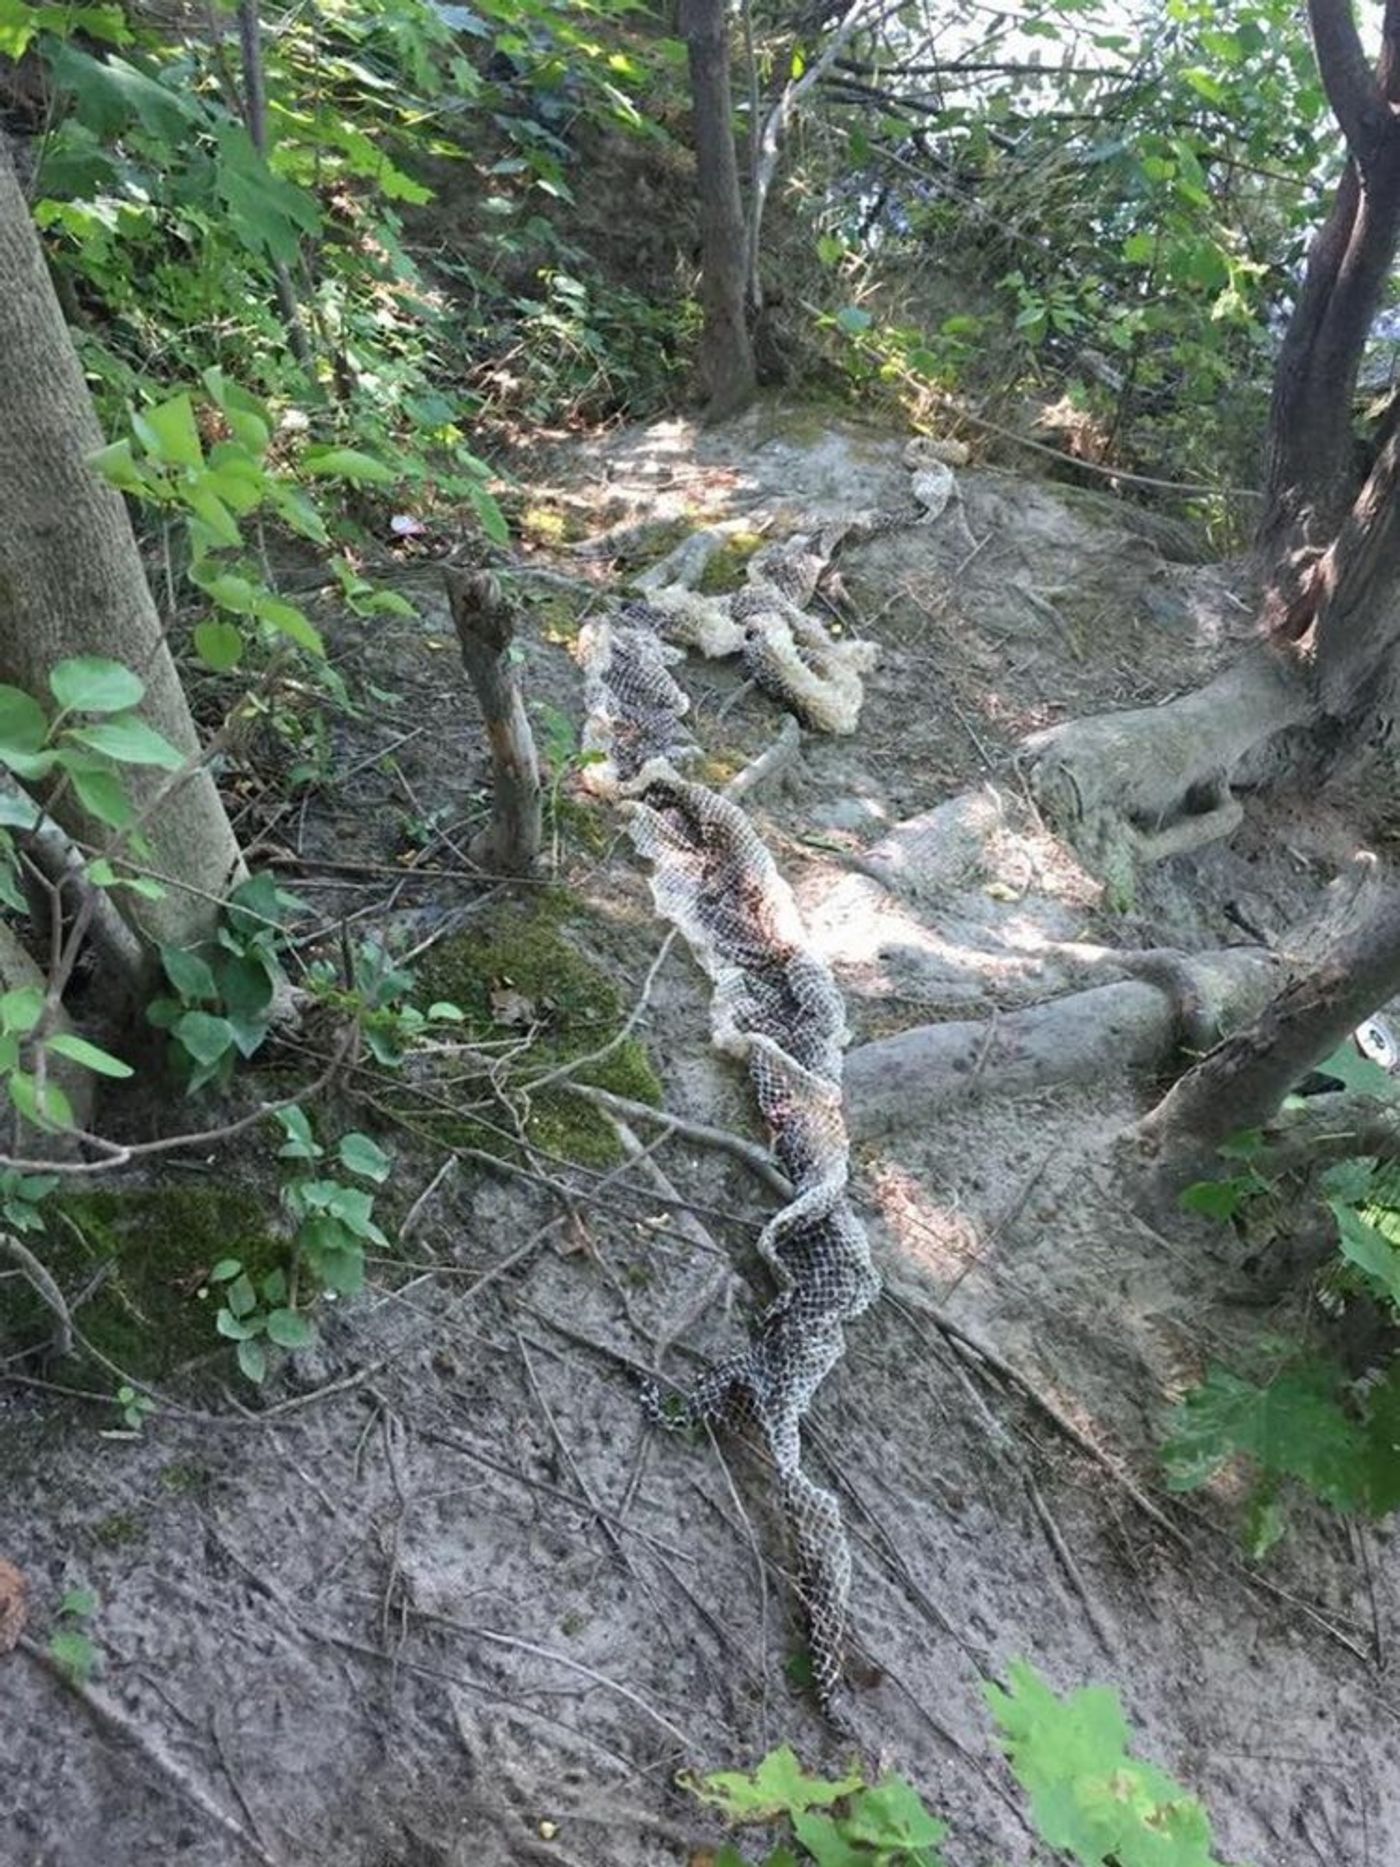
(21, 1009)
(1369, 1250)
(130, 741)
(290, 1330)
(359, 1154)
(79, 1050)
(252, 1359)
(346, 463)
(288, 620)
(73, 1651)
(81, 1602)
(241, 1297)
(1292, 1428)
(1347, 1065)
(18, 812)
(232, 1328)
(853, 320)
(779, 1786)
(23, 724)
(825, 1843)
(103, 795)
(92, 684)
(1217, 1199)
(218, 645)
(50, 1110)
(191, 976)
(117, 466)
(891, 1814)
(205, 1037)
(1088, 1795)
(225, 1270)
(169, 432)
(301, 1144)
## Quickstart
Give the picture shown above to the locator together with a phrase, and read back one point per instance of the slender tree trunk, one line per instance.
(255, 116)
(1310, 475)
(72, 583)
(727, 371)
(1241, 1083)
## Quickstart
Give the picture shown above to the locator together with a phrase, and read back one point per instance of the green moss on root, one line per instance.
(145, 1254)
(577, 1009)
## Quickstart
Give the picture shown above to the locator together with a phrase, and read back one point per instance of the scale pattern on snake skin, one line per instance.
(774, 1004)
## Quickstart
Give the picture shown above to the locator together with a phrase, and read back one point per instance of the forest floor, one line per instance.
(448, 1598)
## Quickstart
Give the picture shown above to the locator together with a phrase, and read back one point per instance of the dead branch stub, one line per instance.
(485, 623)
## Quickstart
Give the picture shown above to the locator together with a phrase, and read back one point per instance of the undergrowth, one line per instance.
(1089, 1796)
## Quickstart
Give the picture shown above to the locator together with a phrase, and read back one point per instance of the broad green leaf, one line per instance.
(300, 1144)
(188, 973)
(169, 432)
(1294, 1427)
(218, 645)
(92, 684)
(18, 812)
(50, 1109)
(289, 621)
(1369, 1250)
(359, 1154)
(1353, 1071)
(23, 724)
(779, 1786)
(79, 1050)
(217, 522)
(853, 320)
(289, 1330)
(252, 1359)
(21, 1009)
(130, 741)
(346, 463)
(204, 1036)
(103, 795)
(225, 1270)
(231, 1328)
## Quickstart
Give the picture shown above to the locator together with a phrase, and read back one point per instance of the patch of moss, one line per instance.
(119, 1530)
(550, 526)
(519, 970)
(185, 1477)
(581, 823)
(727, 569)
(149, 1252)
(654, 541)
(720, 764)
(558, 619)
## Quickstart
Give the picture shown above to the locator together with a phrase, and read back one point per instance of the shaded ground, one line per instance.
(463, 1605)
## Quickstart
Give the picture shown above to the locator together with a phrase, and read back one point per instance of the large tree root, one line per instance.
(1136, 1024)
(1163, 773)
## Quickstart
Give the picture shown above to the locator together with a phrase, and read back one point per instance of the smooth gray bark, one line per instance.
(72, 583)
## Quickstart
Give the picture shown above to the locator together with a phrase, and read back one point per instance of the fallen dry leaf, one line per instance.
(14, 1605)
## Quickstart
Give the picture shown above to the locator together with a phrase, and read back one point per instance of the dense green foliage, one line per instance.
(1088, 1795)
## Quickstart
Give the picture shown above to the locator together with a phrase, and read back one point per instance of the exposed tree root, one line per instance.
(1163, 774)
(1134, 1025)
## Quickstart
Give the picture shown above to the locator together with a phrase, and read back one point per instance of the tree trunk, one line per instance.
(485, 625)
(1241, 1083)
(1310, 473)
(255, 116)
(72, 583)
(726, 350)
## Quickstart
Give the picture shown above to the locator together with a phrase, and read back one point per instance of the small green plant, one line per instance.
(333, 1221)
(134, 1406)
(844, 1822)
(1089, 1796)
(223, 995)
(1306, 1424)
(376, 997)
(70, 1645)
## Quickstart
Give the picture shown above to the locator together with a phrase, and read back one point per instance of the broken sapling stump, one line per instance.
(485, 623)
